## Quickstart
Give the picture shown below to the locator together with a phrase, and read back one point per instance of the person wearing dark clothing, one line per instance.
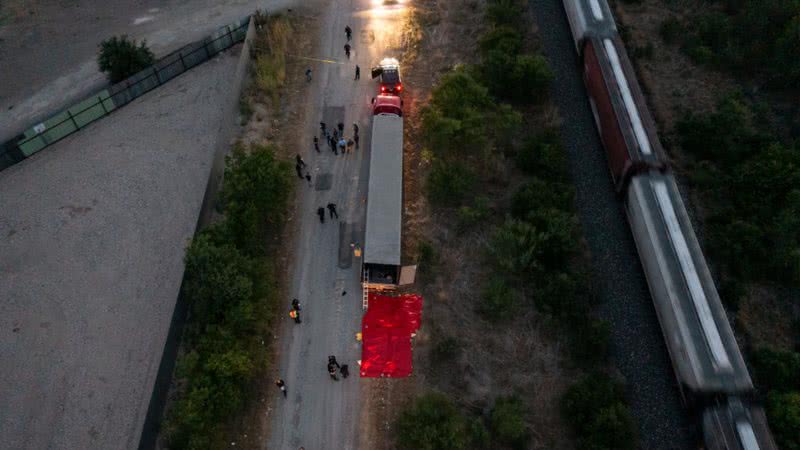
(316, 144)
(294, 314)
(345, 371)
(308, 74)
(350, 146)
(355, 138)
(322, 128)
(296, 304)
(332, 210)
(355, 128)
(347, 50)
(358, 73)
(308, 178)
(321, 214)
(332, 360)
(331, 143)
(348, 31)
(281, 385)
(335, 134)
(299, 171)
(332, 371)
(340, 126)
(300, 161)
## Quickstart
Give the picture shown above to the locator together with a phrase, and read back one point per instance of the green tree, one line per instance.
(777, 370)
(505, 12)
(595, 409)
(431, 423)
(508, 422)
(448, 184)
(531, 77)
(255, 194)
(536, 194)
(121, 57)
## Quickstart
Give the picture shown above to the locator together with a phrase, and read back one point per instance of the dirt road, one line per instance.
(48, 49)
(319, 412)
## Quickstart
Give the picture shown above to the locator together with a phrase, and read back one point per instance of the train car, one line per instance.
(734, 425)
(701, 343)
(589, 18)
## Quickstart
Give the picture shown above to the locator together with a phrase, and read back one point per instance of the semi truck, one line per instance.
(382, 270)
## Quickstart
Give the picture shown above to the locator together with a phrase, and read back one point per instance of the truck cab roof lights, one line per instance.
(699, 300)
(627, 98)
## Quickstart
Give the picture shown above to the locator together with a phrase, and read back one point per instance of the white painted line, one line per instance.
(746, 435)
(699, 299)
(630, 106)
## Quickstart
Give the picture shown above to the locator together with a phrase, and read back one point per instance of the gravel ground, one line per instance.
(52, 45)
(637, 345)
(92, 237)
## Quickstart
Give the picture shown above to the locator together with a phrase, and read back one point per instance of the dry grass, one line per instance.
(269, 49)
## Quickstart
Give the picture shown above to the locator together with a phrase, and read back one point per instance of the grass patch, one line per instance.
(270, 49)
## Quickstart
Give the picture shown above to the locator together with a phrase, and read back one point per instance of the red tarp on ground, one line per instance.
(386, 335)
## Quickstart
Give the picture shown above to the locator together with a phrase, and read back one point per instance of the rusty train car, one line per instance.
(710, 370)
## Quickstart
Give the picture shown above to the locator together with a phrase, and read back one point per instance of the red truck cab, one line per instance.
(389, 73)
(387, 104)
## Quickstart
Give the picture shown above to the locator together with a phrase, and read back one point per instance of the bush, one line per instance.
(448, 184)
(431, 423)
(469, 216)
(255, 194)
(537, 194)
(505, 13)
(505, 39)
(595, 409)
(531, 77)
(783, 410)
(589, 340)
(479, 435)
(542, 155)
(508, 422)
(777, 370)
(498, 300)
(427, 255)
(121, 57)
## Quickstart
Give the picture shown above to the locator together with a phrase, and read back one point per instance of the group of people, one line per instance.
(337, 142)
(336, 139)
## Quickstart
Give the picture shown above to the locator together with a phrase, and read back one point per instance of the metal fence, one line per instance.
(107, 100)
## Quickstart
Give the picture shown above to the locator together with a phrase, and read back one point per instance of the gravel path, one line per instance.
(320, 413)
(637, 345)
(92, 238)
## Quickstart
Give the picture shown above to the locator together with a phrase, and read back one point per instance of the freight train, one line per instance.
(708, 365)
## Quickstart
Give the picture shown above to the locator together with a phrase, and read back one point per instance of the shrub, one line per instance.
(448, 184)
(498, 300)
(542, 155)
(121, 57)
(479, 435)
(255, 194)
(427, 255)
(595, 409)
(431, 423)
(503, 38)
(531, 77)
(508, 422)
(777, 370)
(505, 12)
(589, 340)
(469, 216)
(783, 410)
(537, 194)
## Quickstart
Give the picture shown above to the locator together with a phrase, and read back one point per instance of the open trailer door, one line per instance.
(377, 71)
(407, 275)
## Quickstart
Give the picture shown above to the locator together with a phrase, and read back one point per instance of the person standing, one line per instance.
(281, 385)
(308, 178)
(347, 50)
(316, 144)
(332, 210)
(355, 128)
(358, 73)
(355, 138)
(342, 145)
(348, 31)
(340, 126)
(322, 128)
(308, 74)
(299, 160)
(335, 134)
(332, 143)
(350, 146)
(294, 314)
(296, 304)
(299, 171)
(321, 214)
